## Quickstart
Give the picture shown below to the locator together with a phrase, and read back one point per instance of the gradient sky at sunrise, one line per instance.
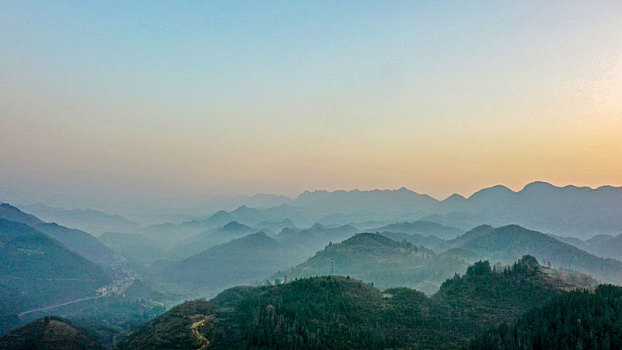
(194, 99)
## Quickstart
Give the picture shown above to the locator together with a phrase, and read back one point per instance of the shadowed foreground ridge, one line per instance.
(576, 320)
(343, 313)
(50, 333)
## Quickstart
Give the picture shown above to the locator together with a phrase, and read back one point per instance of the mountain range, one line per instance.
(569, 211)
(37, 271)
(508, 243)
(312, 313)
(243, 260)
(75, 240)
(89, 220)
(384, 262)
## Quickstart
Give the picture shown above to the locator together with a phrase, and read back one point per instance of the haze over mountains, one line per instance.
(306, 175)
(78, 241)
(93, 221)
(312, 313)
(112, 284)
(570, 211)
(36, 270)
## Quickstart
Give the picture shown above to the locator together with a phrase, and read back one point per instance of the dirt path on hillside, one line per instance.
(195, 331)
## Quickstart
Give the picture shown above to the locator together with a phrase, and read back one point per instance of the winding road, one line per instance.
(58, 305)
(195, 331)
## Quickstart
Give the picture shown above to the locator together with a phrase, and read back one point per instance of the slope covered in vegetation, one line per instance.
(344, 313)
(576, 320)
(50, 333)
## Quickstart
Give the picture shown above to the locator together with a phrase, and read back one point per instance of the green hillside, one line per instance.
(37, 271)
(50, 333)
(77, 241)
(509, 243)
(577, 320)
(344, 313)
(384, 262)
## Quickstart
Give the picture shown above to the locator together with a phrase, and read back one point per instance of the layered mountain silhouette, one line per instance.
(384, 262)
(305, 242)
(240, 261)
(38, 271)
(568, 211)
(606, 246)
(210, 238)
(89, 220)
(421, 228)
(77, 241)
(507, 243)
(133, 246)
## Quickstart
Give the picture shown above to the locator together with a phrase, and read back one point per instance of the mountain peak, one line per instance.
(494, 191)
(235, 226)
(454, 198)
(258, 238)
(369, 237)
(318, 226)
(538, 186)
(47, 333)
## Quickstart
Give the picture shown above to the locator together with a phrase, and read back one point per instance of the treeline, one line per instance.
(575, 320)
(341, 313)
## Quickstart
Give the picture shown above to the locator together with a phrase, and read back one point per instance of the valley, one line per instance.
(447, 284)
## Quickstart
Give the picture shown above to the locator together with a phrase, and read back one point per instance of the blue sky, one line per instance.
(196, 99)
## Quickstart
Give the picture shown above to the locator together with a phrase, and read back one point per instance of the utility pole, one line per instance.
(332, 266)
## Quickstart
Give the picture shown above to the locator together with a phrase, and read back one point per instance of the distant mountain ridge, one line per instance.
(421, 228)
(240, 261)
(210, 238)
(507, 243)
(89, 220)
(569, 210)
(38, 271)
(77, 241)
(373, 257)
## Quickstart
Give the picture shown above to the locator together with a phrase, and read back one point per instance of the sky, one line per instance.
(126, 101)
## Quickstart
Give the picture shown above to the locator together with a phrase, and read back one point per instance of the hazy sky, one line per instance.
(108, 100)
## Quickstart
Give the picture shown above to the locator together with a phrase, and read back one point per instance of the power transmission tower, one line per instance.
(332, 266)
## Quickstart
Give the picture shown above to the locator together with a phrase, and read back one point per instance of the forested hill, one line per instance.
(50, 333)
(38, 271)
(385, 262)
(576, 320)
(77, 241)
(312, 313)
(510, 242)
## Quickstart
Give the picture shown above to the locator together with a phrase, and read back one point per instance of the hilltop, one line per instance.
(509, 243)
(344, 313)
(50, 333)
(210, 238)
(375, 258)
(240, 261)
(577, 320)
(422, 228)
